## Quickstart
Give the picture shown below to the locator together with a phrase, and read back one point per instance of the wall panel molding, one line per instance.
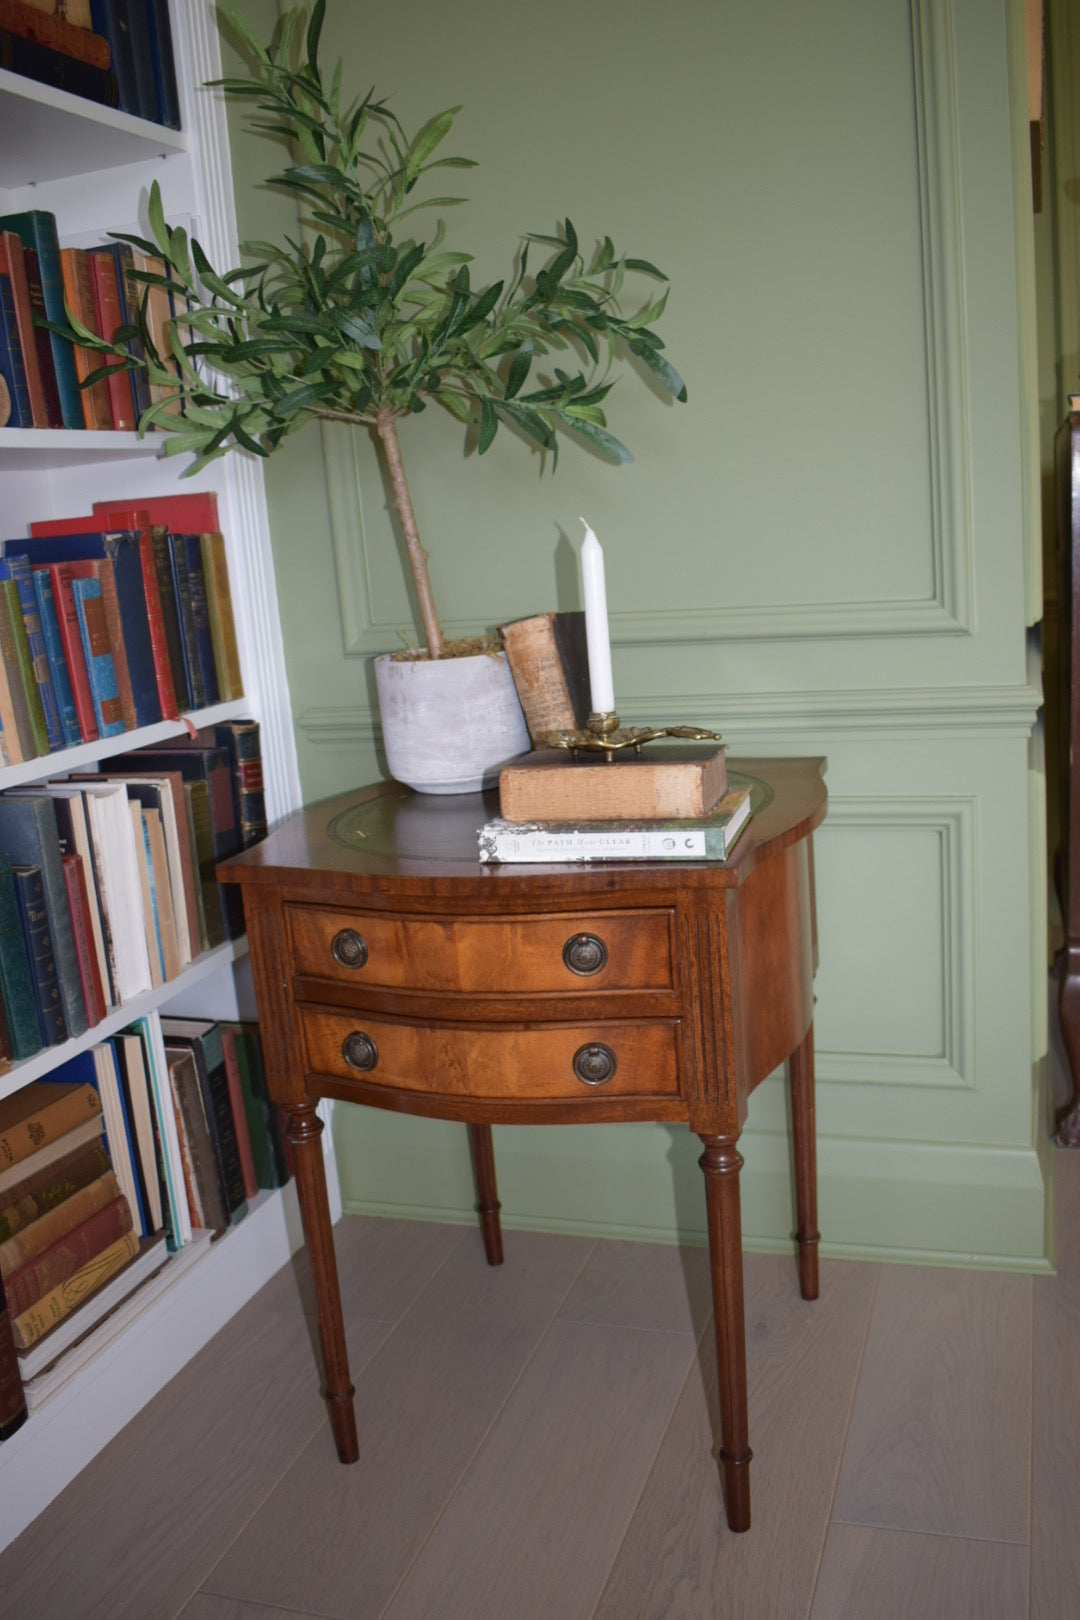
(949, 607)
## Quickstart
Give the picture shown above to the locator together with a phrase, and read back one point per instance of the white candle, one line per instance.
(601, 686)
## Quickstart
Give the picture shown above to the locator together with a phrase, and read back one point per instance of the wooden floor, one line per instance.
(537, 1444)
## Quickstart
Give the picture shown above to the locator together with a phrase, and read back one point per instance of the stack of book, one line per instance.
(122, 1167)
(115, 52)
(107, 879)
(115, 291)
(114, 621)
(671, 801)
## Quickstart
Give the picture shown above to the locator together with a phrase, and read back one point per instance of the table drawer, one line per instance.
(606, 950)
(500, 1062)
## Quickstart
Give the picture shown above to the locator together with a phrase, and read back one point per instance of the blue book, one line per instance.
(121, 548)
(36, 229)
(18, 569)
(30, 836)
(200, 613)
(16, 984)
(99, 659)
(12, 369)
(54, 651)
(34, 917)
(113, 19)
(189, 644)
(161, 52)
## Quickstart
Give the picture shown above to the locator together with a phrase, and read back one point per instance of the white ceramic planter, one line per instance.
(447, 726)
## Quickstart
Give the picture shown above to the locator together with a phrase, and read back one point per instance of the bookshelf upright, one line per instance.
(92, 167)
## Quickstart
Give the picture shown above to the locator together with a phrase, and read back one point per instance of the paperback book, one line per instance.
(710, 838)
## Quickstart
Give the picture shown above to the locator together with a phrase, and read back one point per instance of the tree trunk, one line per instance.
(387, 428)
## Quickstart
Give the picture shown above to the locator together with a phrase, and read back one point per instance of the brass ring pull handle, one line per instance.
(585, 954)
(349, 948)
(594, 1063)
(360, 1051)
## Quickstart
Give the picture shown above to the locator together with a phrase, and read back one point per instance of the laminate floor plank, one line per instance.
(1055, 1472)
(941, 1428)
(679, 1560)
(895, 1574)
(536, 1523)
(331, 1540)
(207, 1606)
(646, 1285)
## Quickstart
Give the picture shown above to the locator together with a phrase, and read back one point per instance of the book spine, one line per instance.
(65, 1217)
(205, 1170)
(123, 551)
(12, 1398)
(30, 895)
(79, 295)
(12, 614)
(17, 720)
(222, 623)
(200, 616)
(104, 571)
(238, 1112)
(54, 652)
(89, 971)
(99, 658)
(12, 369)
(109, 318)
(37, 229)
(67, 615)
(219, 1118)
(235, 1046)
(47, 28)
(161, 49)
(242, 740)
(39, 657)
(47, 1121)
(188, 638)
(16, 985)
(52, 67)
(29, 835)
(170, 613)
(44, 344)
(110, 19)
(75, 1249)
(145, 87)
(13, 263)
(32, 1324)
(47, 1189)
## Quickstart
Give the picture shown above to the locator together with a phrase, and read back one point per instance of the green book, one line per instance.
(22, 684)
(16, 984)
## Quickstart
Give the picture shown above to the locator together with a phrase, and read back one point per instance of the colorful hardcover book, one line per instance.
(16, 567)
(49, 383)
(54, 652)
(36, 1321)
(203, 1038)
(112, 19)
(36, 1276)
(161, 52)
(15, 651)
(79, 299)
(30, 895)
(176, 1211)
(89, 968)
(108, 319)
(29, 836)
(42, 1112)
(241, 740)
(202, 1174)
(12, 263)
(200, 615)
(34, 1237)
(37, 1194)
(20, 739)
(219, 609)
(54, 68)
(135, 1085)
(133, 520)
(16, 983)
(68, 540)
(183, 512)
(61, 578)
(99, 659)
(12, 370)
(73, 829)
(37, 229)
(245, 1147)
(130, 301)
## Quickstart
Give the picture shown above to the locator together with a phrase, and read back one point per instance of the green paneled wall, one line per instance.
(830, 549)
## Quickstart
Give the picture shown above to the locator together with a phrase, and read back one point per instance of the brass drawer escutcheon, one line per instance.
(349, 948)
(360, 1051)
(585, 954)
(595, 1063)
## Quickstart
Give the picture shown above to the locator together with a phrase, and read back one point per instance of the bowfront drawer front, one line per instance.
(624, 1059)
(612, 950)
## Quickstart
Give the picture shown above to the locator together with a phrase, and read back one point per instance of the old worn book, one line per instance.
(42, 1189)
(549, 661)
(33, 1323)
(63, 1217)
(664, 782)
(43, 1272)
(44, 1158)
(40, 1113)
(220, 611)
(708, 838)
(202, 1176)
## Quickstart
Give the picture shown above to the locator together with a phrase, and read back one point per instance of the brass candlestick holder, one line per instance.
(605, 734)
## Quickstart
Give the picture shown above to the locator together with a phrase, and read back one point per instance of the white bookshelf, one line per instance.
(92, 168)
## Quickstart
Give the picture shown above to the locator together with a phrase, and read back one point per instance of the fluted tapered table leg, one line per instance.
(804, 1133)
(721, 1162)
(487, 1192)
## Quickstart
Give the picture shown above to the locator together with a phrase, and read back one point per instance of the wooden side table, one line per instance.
(392, 969)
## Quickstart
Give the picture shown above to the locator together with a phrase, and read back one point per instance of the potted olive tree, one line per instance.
(359, 321)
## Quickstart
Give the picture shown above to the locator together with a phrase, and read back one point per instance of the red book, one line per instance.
(109, 314)
(186, 513)
(137, 519)
(68, 619)
(101, 569)
(89, 970)
(62, 1259)
(44, 341)
(239, 1112)
(12, 263)
(79, 297)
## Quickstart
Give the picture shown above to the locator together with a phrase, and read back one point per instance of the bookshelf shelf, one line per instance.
(89, 754)
(47, 134)
(39, 449)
